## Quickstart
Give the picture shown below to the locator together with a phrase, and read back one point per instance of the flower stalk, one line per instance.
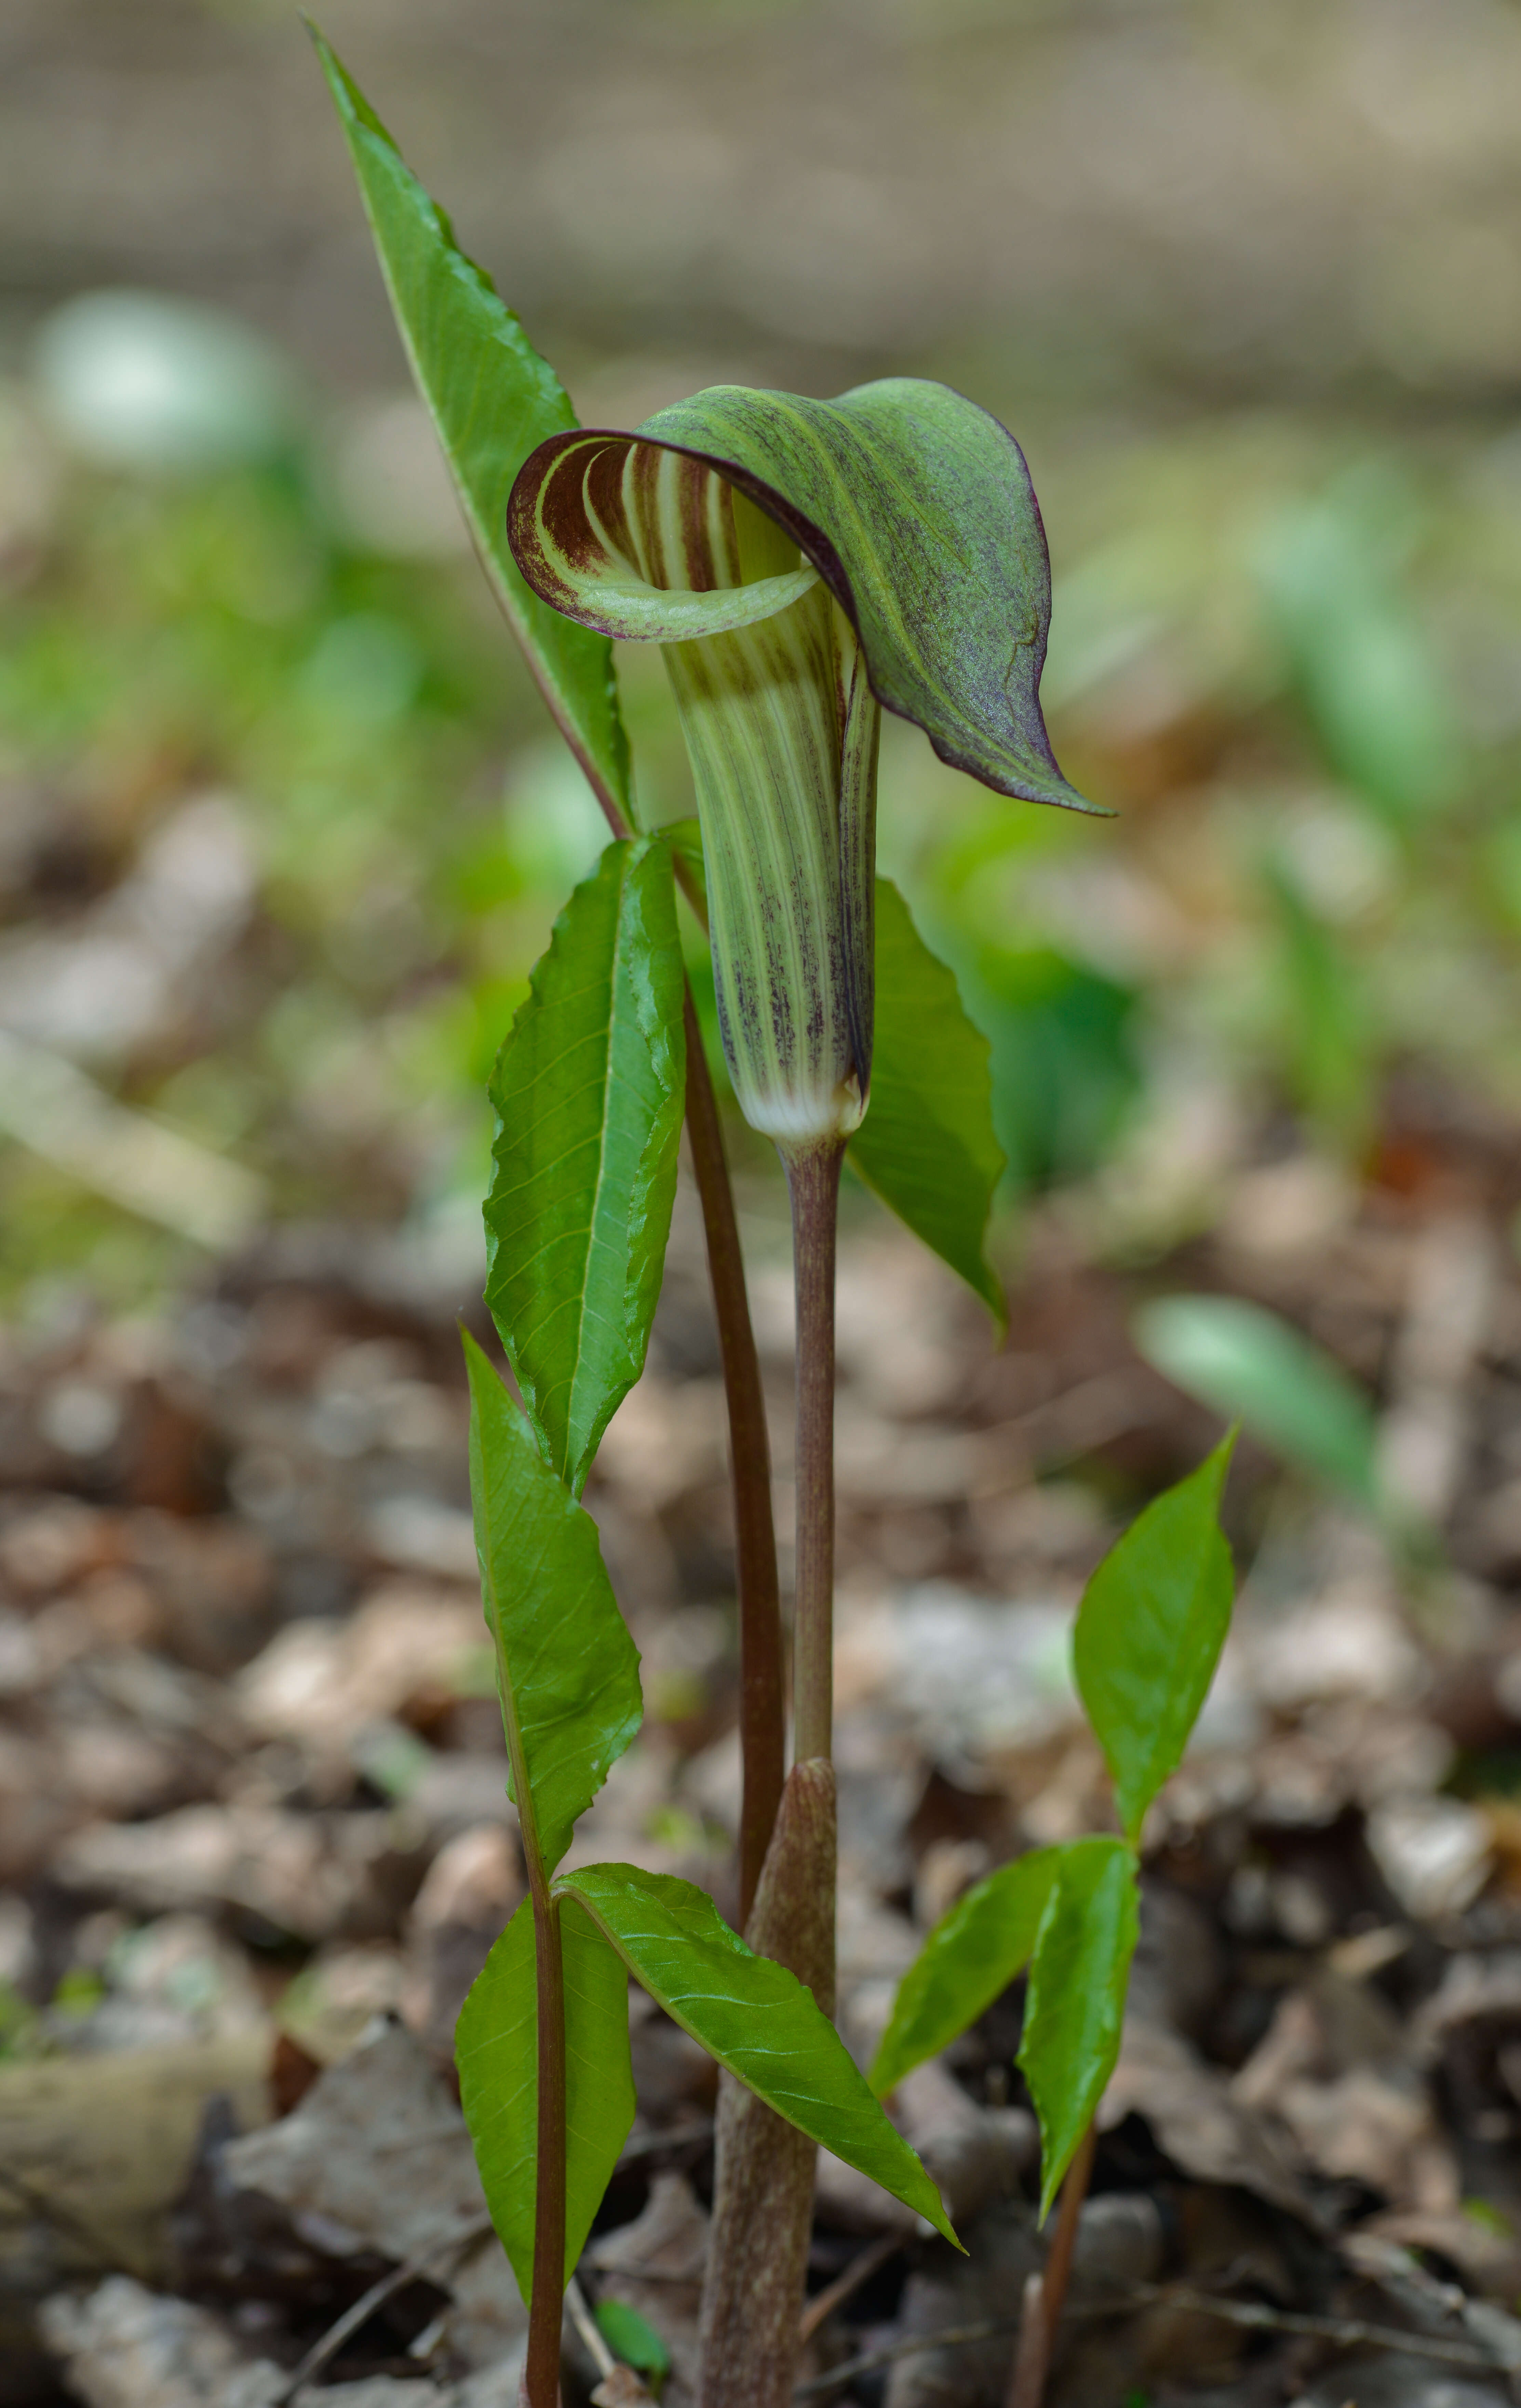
(762, 1709)
(763, 2195)
(813, 1183)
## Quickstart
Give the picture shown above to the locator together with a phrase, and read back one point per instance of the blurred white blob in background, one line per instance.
(144, 382)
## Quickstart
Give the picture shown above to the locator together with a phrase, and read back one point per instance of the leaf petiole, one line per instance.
(542, 2374)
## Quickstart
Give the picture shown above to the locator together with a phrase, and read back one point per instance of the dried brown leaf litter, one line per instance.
(256, 1843)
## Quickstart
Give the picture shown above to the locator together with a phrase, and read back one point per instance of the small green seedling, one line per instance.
(630, 2338)
(1147, 1639)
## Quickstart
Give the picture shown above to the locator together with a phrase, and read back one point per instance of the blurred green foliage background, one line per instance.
(283, 826)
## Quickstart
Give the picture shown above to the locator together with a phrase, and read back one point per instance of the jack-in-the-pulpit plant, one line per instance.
(802, 564)
(797, 559)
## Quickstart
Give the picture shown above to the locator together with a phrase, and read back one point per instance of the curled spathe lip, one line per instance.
(646, 575)
(801, 563)
(912, 504)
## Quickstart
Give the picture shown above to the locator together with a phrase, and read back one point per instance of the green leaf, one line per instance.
(1366, 670)
(914, 507)
(492, 399)
(1329, 1033)
(972, 1956)
(926, 1144)
(1074, 2007)
(567, 1670)
(755, 2017)
(631, 2338)
(1247, 1363)
(684, 838)
(1064, 1063)
(495, 2049)
(1149, 1632)
(589, 1091)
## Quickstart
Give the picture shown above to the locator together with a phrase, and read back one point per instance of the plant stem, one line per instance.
(761, 1705)
(1045, 2294)
(813, 1182)
(762, 1699)
(541, 2376)
(763, 2185)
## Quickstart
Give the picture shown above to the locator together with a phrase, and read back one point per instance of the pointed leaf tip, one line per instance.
(1149, 1631)
(755, 2017)
(491, 398)
(351, 105)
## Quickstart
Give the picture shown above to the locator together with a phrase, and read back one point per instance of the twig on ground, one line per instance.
(1347, 2332)
(586, 2327)
(647, 2145)
(63, 2219)
(859, 2270)
(617, 2386)
(1350, 2332)
(345, 2326)
(953, 2337)
(1032, 2350)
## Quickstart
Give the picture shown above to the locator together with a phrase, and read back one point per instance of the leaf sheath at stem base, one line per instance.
(763, 2193)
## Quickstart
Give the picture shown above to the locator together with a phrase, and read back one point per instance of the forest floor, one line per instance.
(257, 880)
(254, 1841)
